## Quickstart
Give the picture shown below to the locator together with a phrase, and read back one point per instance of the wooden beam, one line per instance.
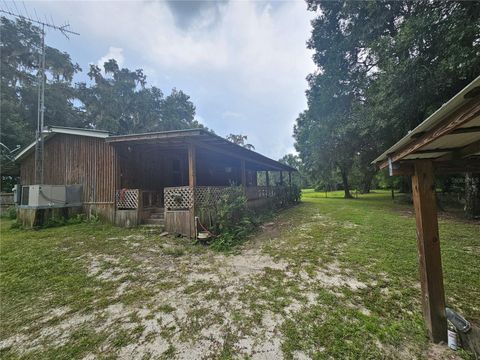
(438, 150)
(155, 136)
(192, 168)
(428, 241)
(461, 166)
(445, 167)
(462, 130)
(465, 130)
(452, 122)
(192, 183)
(243, 173)
(234, 155)
(463, 152)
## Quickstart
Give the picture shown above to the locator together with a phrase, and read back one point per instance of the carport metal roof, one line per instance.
(449, 137)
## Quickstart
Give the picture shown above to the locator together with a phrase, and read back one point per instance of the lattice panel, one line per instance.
(178, 198)
(209, 195)
(260, 192)
(127, 198)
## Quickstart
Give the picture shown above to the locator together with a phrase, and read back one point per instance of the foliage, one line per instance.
(58, 221)
(10, 213)
(120, 101)
(300, 178)
(382, 68)
(287, 195)
(20, 53)
(117, 100)
(234, 220)
(241, 140)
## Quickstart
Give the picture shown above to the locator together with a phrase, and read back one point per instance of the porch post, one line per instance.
(281, 177)
(289, 178)
(192, 183)
(243, 174)
(428, 242)
(267, 182)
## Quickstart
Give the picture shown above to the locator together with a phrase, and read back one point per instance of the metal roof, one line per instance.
(202, 138)
(52, 130)
(447, 142)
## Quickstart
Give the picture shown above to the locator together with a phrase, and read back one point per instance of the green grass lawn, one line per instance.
(329, 278)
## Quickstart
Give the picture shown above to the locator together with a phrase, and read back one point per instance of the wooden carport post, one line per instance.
(192, 183)
(428, 241)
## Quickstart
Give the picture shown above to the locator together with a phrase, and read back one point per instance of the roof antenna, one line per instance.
(65, 30)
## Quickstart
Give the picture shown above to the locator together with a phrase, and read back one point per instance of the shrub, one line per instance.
(233, 220)
(10, 213)
(16, 225)
(294, 194)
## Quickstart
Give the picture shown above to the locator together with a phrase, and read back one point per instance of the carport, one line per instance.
(447, 142)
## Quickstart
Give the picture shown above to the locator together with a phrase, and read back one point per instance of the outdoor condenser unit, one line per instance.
(51, 196)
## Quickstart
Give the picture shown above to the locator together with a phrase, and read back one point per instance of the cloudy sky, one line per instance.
(243, 63)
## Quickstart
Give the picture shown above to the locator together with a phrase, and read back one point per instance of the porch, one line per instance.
(171, 178)
(178, 206)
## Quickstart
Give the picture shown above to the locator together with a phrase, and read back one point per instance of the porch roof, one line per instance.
(203, 139)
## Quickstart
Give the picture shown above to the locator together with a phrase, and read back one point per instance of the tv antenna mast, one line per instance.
(65, 30)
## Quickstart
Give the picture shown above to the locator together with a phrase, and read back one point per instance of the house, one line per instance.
(153, 177)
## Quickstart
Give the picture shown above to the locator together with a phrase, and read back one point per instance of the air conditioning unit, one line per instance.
(51, 196)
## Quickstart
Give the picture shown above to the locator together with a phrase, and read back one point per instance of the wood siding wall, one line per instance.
(71, 159)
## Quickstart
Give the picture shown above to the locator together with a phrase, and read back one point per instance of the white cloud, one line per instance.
(113, 53)
(243, 57)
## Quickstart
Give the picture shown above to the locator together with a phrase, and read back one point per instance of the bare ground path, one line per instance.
(310, 284)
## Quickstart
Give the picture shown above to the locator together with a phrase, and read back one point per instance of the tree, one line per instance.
(121, 102)
(382, 68)
(20, 53)
(240, 140)
(301, 178)
(178, 112)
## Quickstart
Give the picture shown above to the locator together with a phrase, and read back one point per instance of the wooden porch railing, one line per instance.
(182, 197)
(129, 199)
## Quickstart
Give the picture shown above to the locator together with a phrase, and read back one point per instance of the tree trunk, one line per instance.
(367, 184)
(367, 178)
(472, 196)
(346, 187)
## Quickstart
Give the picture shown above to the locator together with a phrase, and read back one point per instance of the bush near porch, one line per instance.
(234, 220)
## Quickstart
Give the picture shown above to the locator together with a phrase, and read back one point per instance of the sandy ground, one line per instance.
(212, 302)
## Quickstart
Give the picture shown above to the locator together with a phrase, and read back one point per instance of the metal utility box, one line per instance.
(51, 196)
(17, 194)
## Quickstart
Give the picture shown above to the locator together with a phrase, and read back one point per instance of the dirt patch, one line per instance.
(441, 352)
(332, 276)
(172, 302)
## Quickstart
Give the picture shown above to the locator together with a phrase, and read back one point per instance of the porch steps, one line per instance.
(154, 216)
